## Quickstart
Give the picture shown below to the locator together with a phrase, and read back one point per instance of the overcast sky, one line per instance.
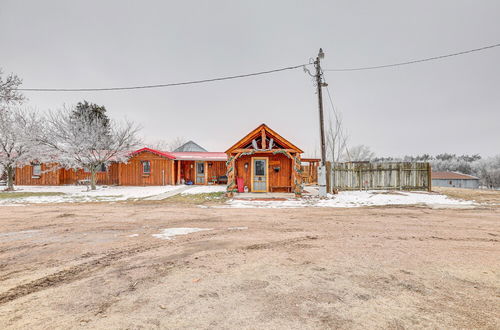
(451, 105)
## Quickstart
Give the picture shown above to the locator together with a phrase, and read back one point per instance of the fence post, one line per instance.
(359, 179)
(429, 176)
(399, 176)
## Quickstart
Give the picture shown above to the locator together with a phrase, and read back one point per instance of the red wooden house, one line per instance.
(145, 167)
(264, 161)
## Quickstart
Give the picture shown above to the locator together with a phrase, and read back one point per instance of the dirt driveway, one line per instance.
(98, 266)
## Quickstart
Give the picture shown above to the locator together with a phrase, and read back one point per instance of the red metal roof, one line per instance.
(452, 176)
(159, 153)
(186, 155)
(207, 156)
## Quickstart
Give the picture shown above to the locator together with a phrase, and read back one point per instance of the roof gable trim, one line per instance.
(156, 152)
(258, 133)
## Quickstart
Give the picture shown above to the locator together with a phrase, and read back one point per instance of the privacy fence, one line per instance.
(386, 176)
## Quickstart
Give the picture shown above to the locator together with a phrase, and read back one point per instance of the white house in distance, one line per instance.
(454, 180)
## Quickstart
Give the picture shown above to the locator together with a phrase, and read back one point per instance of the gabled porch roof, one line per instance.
(263, 131)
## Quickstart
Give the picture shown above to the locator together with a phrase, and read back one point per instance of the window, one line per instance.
(102, 168)
(200, 168)
(37, 170)
(146, 167)
(260, 165)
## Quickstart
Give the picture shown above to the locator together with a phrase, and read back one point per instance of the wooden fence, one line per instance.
(386, 176)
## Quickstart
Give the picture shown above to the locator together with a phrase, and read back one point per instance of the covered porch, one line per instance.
(200, 168)
(264, 162)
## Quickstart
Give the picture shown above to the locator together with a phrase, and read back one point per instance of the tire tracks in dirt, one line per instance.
(437, 238)
(280, 243)
(71, 274)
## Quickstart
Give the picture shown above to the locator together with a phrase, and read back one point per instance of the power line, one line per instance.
(338, 116)
(415, 61)
(161, 85)
(250, 74)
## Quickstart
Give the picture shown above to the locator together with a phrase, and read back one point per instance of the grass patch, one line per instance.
(20, 194)
(215, 197)
(478, 195)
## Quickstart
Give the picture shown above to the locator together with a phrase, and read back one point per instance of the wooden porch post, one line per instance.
(263, 139)
(171, 180)
(178, 181)
(231, 182)
(205, 167)
(296, 174)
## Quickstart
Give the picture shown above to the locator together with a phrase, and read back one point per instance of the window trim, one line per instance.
(36, 175)
(143, 162)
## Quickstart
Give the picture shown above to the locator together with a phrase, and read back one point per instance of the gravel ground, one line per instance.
(98, 266)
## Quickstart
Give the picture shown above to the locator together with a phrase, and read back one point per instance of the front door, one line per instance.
(259, 174)
(200, 173)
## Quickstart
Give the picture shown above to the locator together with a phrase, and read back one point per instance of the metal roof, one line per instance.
(190, 146)
(452, 176)
(206, 156)
(156, 152)
(202, 156)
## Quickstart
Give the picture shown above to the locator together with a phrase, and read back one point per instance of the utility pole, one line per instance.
(322, 175)
(319, 85)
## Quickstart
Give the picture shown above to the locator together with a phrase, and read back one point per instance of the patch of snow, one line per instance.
(237, 228)
(204, 190)
(17, 235)
(74, 194)
(171, 232)
(23, 232)
(133, 235)
(357, 199)
(376, 198)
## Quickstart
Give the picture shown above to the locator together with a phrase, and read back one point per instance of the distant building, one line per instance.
(454, 180)
(190, 147)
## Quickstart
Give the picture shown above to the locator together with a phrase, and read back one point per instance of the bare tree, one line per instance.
(17, 146)
(359, 153)
(161, 145)
(164, 145)
(8, 89)
(336, 139)
(87, 142)
(488, 171)
(176, 143)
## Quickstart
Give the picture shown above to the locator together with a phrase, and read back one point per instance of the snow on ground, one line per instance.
(204, 190)
(75, 194)
(171, 232)
(81, 194)
(358, 199)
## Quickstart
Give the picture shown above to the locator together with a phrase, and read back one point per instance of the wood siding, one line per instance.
(216, 170)
(49, 177)
(72, 176)
(282, 178)
(162, 170)
(310, 173)
(188, 170)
